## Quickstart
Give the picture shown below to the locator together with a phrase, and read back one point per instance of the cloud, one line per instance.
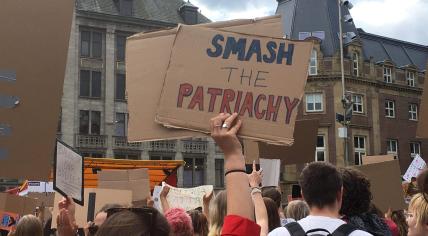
(404, 20)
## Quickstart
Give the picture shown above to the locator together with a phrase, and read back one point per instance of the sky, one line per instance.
(401, 19)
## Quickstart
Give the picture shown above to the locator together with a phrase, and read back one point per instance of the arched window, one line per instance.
(313, 65)
(355, 63)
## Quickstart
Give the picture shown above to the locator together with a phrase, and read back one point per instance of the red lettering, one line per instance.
(228, 96)
(247, 105)
(271, 108)
(198, 98)
(259, 115)
(238, 101)
(184, 91)
(290, 106)
(214, 92)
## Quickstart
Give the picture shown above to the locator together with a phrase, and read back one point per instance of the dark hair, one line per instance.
(422, 181)
(272, 212)
(200, 222)
(129, 223)
(272, 193)
(320, 182)
(373, 209)
(108, 206)
(413, 179)
(356, 192)
(400, 220)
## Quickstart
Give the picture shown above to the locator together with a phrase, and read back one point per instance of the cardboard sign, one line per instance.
(187, 198)
(417, 165)
(422, 129)
(302, 150)
(102, 197)
(376, 159)
(34, 44)
(68, 172)
(271, 171)
(385, 184)
(18, 204)
(213, 71)
(136, 180)
(141, 71)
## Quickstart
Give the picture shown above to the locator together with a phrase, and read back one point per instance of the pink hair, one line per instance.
(180, 222)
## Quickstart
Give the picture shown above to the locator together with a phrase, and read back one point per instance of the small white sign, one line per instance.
(417, 165)
(271, 171)
(343, 133)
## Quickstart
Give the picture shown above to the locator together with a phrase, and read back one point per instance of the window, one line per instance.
(355, 63)
(120, 125)
(120, 87)
(413, 111)
(359, 149)
(219, 173)
(59, 127)
(313, 66)
(120, 47)
(320, 150)
(90, 84)
(163, 157)
(415, 149)
(410, 78)
(130, 156)
(92, 154)
(357, 106)
(194, 172)
(314, 102)
(392, 147)
(390, 109)
(91, 44)
(387, 74)
(90, 122)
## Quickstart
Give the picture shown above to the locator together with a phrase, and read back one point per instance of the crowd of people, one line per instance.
(335, 201)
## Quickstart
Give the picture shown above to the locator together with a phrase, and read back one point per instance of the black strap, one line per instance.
(318, 230)
(344, 230)
(295, 229)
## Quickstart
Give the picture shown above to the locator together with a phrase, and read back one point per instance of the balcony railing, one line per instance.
(163, 146)
(91, 141)
(192, 146)
(120, 142)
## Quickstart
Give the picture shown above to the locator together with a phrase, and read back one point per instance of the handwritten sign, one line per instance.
(417, 165)
(213, 71)
(68, 172)
(187, 198)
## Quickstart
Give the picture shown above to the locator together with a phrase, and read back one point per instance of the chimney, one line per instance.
(189, 13)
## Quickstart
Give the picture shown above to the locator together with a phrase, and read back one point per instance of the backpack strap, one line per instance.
(295, 229)
(344, 230)
(318, 230)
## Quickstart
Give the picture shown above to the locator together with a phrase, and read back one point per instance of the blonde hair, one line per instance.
(419, 206)
(297, 210)
(29, 225)
(218, 210)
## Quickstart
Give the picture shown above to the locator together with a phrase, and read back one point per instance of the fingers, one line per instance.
(217, 121)
(236, 127)
(254, 165)
(229, 120)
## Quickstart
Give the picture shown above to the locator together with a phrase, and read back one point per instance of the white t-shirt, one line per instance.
(313, 222)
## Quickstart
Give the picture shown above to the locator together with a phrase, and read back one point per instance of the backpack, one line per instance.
(296, 230)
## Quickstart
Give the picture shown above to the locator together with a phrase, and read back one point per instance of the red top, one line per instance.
(239, 226)
(392, 227)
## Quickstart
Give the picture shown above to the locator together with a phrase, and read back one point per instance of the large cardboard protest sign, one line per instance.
(385, 180)
(136, 180)
(101, 197)
(33, 55)
(422, 130)
(187, 198)
(376, 159)
(213, 71)
(302, 150)
(142, 71)
(18, 204)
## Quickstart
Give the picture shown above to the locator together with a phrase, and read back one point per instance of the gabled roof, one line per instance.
(153, 10)
(401, 53)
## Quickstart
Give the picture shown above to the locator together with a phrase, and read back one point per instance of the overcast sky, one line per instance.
(401, 19)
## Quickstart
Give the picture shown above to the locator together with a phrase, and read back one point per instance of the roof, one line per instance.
(154, 10)
(401, 53)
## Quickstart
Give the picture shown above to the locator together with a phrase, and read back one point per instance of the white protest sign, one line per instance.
(187, 198)
(271, 171)
(417, 165)
(156, 198)
(68, 172)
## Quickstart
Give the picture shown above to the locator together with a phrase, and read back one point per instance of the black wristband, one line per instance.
(235, 170)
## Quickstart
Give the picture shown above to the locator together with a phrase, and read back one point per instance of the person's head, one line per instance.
(101, 215)
(413, 179)
(134, 221)
(179, 221)
(417, 218)
(297, 209)
(217, 213)
(272, 212)
(321, 185)
(29, 225)
(199, 222)
(356, 192)
(273, 194)
(422, 181)
(400, 220)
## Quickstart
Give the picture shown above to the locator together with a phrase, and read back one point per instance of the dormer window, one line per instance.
(387, 74)
(355, 63)
(410, 78)
(313, 65)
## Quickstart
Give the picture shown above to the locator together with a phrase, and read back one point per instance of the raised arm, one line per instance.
(163, 200)
(255, 178)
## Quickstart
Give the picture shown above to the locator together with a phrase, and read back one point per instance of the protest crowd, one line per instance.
(335, 201)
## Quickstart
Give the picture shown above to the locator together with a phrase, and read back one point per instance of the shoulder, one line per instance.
(360, 233)
(281, 231)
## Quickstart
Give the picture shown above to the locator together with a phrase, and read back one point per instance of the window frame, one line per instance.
(91, 83)
(355, 63)
(313, 62)
(315, 101)
(92, 43)
(389, 145)
(219, 167)
(388, 109)
(411, 81)
(413, 114)
(320, 149)
(116, 81)
(194, 183)
(360, 151)
(415, 144)
(125, 124)
(387, 77)
(90, 122)
(357, 104)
